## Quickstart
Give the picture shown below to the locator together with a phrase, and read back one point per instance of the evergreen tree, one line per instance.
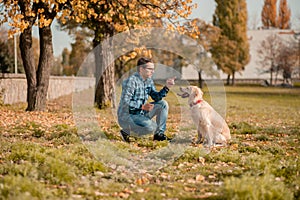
(6, 59)
(65, 57)
(231, 51)
(80, 49)
(269, 14)
(284, 15)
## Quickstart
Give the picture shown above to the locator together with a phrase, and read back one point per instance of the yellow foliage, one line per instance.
(122, 14)
(61, 1)
(43, 22)
(131, 6)
(41, 10)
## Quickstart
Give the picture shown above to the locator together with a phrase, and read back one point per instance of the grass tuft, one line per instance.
(22, 188)
(242, 128)
(255, 188)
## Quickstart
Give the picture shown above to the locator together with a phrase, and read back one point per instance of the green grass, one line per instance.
(261, 187)
(50, 161)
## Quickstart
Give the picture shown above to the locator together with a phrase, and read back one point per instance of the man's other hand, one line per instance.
(147, 107)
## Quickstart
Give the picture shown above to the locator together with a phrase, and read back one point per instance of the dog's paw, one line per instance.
(220, 145)
(199, 140)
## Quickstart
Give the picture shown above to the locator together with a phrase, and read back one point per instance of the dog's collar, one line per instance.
(195, 103)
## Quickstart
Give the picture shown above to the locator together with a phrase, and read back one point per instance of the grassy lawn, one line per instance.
(43, 157)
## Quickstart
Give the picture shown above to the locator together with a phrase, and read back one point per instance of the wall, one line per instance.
(13, 87)
(253, 70)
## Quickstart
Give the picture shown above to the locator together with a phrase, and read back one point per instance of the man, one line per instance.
(134, 112)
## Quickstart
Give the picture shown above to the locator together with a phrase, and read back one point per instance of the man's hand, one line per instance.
(170, 82)
(147, 107)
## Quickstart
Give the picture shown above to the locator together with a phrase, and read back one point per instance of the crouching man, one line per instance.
(134, 113)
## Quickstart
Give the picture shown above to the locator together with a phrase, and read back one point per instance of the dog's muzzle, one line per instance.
(184, 94)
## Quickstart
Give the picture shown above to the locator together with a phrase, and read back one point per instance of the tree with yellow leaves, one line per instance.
(22, 16)
(104, 17)
(284, 15)
(107, 18)
(269, 14)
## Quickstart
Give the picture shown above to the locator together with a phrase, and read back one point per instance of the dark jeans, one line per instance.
(143, 124)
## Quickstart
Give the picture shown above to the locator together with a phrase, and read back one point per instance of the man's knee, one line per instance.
(164, 104)
(151, 128)
(145, 127)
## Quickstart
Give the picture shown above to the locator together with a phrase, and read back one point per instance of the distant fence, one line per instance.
(252, 81)
(13, 87)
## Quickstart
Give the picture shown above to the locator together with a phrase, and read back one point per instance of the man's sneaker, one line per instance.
(124, 136)
(161, 137)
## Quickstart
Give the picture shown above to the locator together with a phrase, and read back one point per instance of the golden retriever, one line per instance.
(211, 127)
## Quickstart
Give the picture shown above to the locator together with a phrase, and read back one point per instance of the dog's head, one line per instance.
(191, 92)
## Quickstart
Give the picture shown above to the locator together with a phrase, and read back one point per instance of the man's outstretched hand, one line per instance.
(170, 82)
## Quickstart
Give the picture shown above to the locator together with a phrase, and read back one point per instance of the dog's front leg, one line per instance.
(200, 138)
(208, 136)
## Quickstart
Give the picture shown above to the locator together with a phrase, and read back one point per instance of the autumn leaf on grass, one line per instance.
(190, 189)
(142, 181)
(200, 177)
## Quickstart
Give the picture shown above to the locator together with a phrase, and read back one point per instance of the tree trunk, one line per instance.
(105, 73)
(200, 81)
(29, 66)
(119, 69)
(271, 76)
(44, 67)
(37, 80)
(276, 76)
(233, 78)
(228, 80)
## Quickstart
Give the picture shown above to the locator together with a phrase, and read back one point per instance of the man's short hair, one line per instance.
(142, 61)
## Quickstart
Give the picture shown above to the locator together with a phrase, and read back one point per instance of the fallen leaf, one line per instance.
(190, 189)
(201, 160)
(200, 177)
(140, 190)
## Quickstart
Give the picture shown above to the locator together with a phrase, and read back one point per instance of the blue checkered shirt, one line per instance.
(135, 93)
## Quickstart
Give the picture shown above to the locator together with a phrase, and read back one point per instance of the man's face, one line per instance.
(147, 71)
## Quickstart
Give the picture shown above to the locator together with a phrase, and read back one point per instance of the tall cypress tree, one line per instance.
(284, 15)
(231, 51)
(269, 14)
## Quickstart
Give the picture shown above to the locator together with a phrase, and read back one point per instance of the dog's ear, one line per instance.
(198, 92)
(194, 91)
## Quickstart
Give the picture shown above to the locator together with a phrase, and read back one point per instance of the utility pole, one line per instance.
(16, 54)
(297, 37)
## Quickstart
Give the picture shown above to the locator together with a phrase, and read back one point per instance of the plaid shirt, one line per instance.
(135, 93)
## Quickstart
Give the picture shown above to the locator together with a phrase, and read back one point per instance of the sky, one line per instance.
(204, 11)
